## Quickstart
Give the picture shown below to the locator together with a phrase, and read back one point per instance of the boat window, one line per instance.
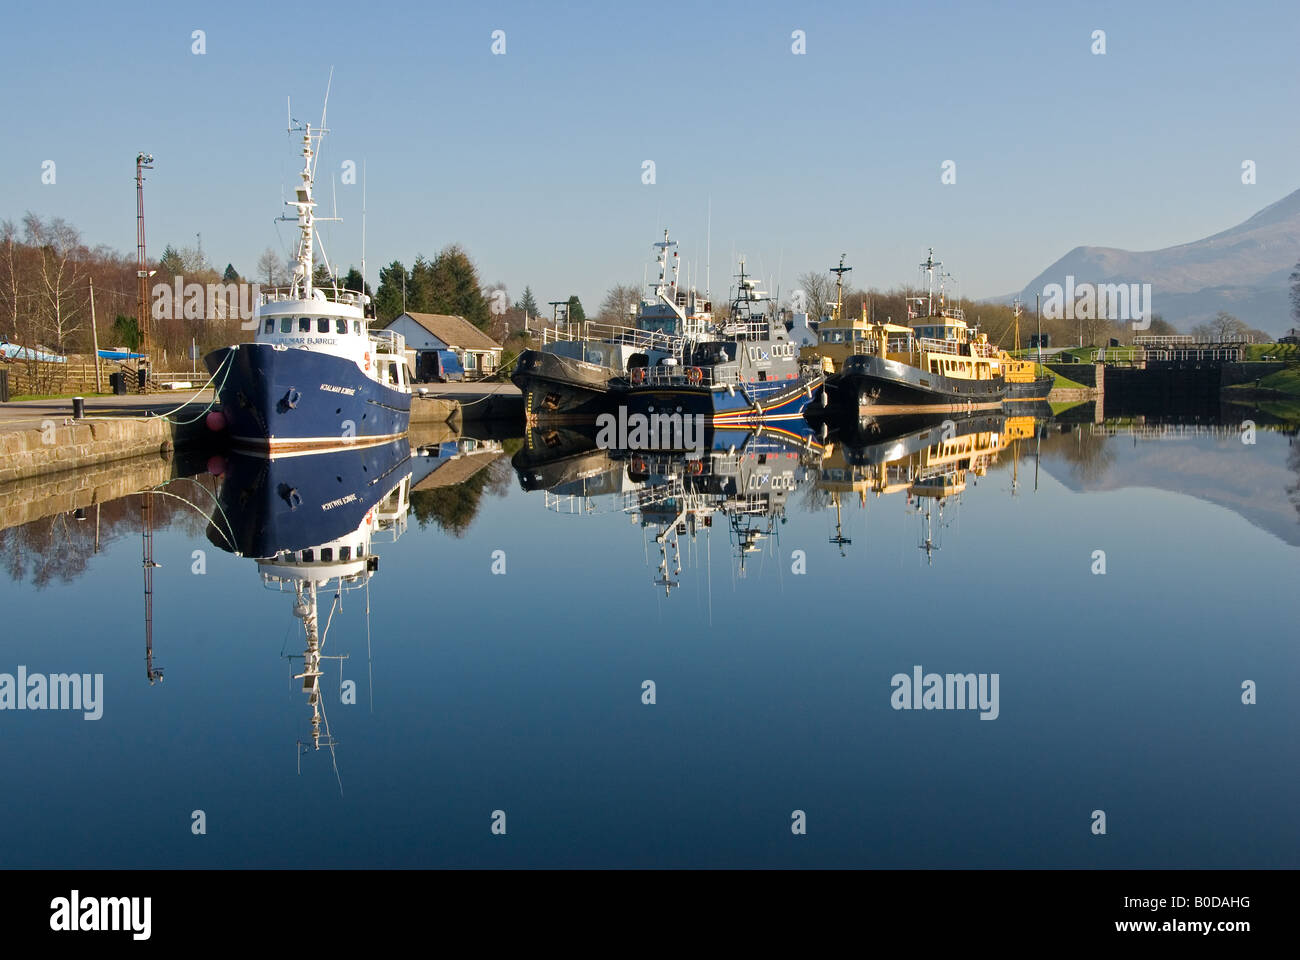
(304, 324)
(392, 373)
(286, 324)
(345, 553)
(308, 555)
(356, 326)
(323, 325)
(340, 325)
(361, 551)
(270, 325)
(327, 554)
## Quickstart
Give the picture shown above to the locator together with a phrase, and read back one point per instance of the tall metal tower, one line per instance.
(143, 162)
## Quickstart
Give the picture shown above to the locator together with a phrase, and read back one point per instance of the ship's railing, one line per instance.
(281, 294)
(752, 504)
(614, 333)
(568, 503)
(389, 340)
(931, 345)
(635, 501)
(1163, 340)
(892, 345)
(748, 329)
(669, 375)
(984, 350)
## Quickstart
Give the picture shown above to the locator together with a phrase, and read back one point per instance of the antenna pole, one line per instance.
(708, 254)
(363, 236)
(1039, 311)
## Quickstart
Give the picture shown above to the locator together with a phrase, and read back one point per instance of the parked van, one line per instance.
(439, 366)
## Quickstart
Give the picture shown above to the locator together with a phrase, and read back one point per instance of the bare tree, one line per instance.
(9, 268)
(61, 268)
(621, 301)
(813, 293)
(270, 266)
(1225, 326)
(497, 296)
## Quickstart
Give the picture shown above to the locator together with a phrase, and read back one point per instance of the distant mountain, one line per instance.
(1244, 270)
(1255, 482)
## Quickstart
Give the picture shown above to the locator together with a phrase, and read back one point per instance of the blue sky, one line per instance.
(533, 160)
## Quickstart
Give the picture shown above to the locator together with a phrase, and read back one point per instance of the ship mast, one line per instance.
(305, 207)
(663, 284)
(839, 288)
(305, 609)
(839, 539)
(928, 266)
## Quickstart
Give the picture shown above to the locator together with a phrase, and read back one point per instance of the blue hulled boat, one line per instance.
(750, 375)
(315, 376)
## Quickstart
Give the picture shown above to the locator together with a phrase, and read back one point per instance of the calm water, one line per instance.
(522, 691)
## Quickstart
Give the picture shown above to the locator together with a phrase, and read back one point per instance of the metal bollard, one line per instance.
(78, 408)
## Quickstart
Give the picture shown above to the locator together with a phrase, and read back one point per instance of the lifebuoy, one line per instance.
(367, 361)
(694, 467)
(638, 374)
(640, 466)
(694, 374)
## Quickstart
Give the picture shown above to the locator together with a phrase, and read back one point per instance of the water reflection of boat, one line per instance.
(743, 478)
(930, 459)
(566, 463)
(310, 522)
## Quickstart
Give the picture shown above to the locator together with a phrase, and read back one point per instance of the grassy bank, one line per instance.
(1278, 394)
(1284, 381)
(1061, 382)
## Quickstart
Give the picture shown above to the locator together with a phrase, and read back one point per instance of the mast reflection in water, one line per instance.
(310, 522)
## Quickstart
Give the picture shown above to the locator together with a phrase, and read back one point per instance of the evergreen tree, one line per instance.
(419, 286)
(171, 261)
(126, 332)
(528, 303)
(231, 275)
(453, 287)
(576, 313)
(354, 281)
(393, 279)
